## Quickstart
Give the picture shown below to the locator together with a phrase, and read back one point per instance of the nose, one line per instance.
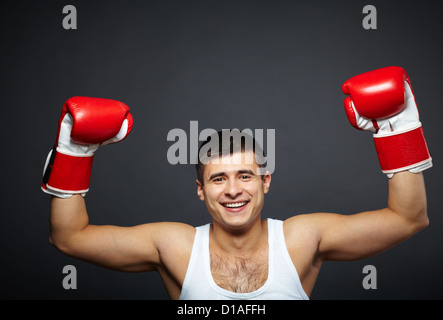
(233, 188)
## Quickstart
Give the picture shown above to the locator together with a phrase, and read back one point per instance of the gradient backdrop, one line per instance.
(226, 64)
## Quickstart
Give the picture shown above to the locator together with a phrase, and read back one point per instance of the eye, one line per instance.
(245, 177)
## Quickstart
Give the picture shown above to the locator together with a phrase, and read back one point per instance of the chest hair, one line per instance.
(240, 274)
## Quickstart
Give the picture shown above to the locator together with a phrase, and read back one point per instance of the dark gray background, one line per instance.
(227, 64)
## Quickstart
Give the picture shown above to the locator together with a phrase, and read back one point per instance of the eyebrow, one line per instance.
(220, 174)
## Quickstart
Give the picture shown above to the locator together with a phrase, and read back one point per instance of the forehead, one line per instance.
(233, 162)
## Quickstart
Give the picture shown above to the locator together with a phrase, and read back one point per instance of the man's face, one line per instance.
(233, 191)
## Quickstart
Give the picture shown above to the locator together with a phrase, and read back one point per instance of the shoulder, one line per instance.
(305, 227)
(165, 236)
(301, 221)
(317, 228)
(172, 233)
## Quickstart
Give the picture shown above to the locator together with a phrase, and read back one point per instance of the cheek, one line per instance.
(211, 194)
(258, 194)
(253, 189)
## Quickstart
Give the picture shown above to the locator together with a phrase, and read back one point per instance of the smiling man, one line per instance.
(240, 255)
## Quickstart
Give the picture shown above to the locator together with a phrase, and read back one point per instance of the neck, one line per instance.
(240, 241)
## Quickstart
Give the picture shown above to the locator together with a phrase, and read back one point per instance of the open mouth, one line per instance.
(235, 206)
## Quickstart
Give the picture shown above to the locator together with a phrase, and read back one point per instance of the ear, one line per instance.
(266, 182)
(200, 192)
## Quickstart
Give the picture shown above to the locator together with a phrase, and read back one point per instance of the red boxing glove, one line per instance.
(382, 101)
(84, 125)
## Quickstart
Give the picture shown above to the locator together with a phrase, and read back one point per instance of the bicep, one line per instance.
(358, 236)
(132, 249)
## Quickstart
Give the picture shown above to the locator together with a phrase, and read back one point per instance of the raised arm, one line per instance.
(146, 247)
(382, 102)
(85, 124)
(129, 249)
(358, 236)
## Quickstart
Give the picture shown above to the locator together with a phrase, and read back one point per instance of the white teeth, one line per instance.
(235, 205)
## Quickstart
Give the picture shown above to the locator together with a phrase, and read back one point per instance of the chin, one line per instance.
(237, 223)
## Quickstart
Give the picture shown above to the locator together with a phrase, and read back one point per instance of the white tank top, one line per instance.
(282, 283)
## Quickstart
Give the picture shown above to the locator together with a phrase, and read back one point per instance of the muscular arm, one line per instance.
(382, 102)
(351, 237)
(109, 246)
(85, 124)
(132, 249)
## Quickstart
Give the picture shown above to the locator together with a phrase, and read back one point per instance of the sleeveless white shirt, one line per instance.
(282, 283)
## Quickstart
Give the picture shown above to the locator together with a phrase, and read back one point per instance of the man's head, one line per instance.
(229, 178)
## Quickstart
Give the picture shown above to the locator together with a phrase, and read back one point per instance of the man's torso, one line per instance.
(238, 273)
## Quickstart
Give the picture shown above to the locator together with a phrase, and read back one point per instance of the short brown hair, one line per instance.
(246, 143)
